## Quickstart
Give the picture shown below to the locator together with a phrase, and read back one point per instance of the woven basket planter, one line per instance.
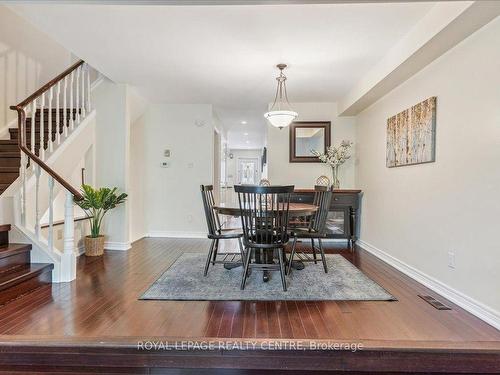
(94, 247)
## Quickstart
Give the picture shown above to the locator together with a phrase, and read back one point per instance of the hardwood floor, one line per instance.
(94, 324)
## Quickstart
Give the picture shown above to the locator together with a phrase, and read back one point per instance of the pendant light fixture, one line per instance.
(281, 114)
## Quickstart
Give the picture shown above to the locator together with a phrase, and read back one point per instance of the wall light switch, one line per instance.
(190, 165)
(166, 153)
(451, 259)
(165, 164)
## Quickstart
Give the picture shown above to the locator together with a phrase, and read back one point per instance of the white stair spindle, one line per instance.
(37, 203)
(51, 213)
(50, 146)
(65, 107)
(68, 259)
(33, 126)
(41, 150)
(78, 95)
(22, 195)
(58, 114)
(83, 112)
(71, 104)
(89, 107)
(69, 225)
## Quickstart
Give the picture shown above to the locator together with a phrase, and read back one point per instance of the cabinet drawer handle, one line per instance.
(336, 199)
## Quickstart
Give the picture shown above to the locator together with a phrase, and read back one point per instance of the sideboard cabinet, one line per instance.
(342, 222)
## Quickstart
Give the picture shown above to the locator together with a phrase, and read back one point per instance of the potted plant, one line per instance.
(95, 203)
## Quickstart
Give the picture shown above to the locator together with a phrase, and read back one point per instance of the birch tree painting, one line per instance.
(411, 135)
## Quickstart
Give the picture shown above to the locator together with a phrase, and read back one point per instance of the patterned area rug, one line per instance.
(184, 280)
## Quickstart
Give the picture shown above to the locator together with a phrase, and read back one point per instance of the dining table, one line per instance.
(294, 210)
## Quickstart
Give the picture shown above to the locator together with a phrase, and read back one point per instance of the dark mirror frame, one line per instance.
(326, 125)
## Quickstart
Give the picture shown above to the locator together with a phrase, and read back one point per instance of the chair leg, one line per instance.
(246, 264)
(216, 247)
(209, 257)
(291, 256)
(282, 267)
(322, 255)
(314, 251)
(242, 252)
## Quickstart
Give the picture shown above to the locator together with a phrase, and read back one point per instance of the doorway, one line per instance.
(248, 171)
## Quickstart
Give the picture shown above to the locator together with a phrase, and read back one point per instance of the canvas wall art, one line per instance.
(411, 135)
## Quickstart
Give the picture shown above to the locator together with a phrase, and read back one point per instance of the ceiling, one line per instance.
(226, 55)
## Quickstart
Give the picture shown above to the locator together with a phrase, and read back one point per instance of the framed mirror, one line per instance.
(308, 136)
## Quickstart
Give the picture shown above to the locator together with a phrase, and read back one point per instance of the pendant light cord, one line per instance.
(281, 92)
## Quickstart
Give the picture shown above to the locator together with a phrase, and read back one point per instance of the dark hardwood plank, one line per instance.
(103, 306)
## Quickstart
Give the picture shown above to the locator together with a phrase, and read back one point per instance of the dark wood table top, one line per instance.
(295, 209)
(335, 191)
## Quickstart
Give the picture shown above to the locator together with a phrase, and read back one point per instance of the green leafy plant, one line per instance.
(96, 202)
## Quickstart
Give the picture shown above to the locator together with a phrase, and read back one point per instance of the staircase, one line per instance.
(18, 276)
(47, 119)
(10, 154)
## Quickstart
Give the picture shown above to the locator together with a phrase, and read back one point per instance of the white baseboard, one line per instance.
(109, 245)
(138, 237)
(469, 304)
(177, 234)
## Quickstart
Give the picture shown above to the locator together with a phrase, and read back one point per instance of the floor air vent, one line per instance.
(434, 302)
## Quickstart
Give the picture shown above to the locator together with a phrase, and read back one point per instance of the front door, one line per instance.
(248, 171)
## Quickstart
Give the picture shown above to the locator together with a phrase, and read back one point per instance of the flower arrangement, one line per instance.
(335, 157)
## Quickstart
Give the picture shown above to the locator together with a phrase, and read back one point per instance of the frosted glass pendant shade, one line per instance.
(280, 119)
(281, 114)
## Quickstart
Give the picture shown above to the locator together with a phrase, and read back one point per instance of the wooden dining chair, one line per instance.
(264, 182)
(316, 229)
(264, 218)
(217, 233)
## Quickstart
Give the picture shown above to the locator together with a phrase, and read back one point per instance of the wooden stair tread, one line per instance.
(22, 273)
(10, 154)
(46, 110)
(9, 169)
(37, 130)
(5, 227)
(15, 142)
(13, 249)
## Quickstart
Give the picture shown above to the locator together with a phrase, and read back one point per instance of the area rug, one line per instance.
(184, 280)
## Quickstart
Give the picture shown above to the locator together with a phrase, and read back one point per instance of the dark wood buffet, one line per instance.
(343, 219)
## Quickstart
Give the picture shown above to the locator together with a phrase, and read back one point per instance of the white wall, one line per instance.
(137, 179)
(172, 195)
(304, 175)
(111, 101)
(28, 59)
(417, 214)
(137, 105)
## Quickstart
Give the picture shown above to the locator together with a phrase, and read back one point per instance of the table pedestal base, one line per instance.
(230, 266)
(298, 265)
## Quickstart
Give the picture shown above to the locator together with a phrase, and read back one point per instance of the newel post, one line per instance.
(68, 264)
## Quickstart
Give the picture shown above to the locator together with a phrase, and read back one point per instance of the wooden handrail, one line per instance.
(61, 222)
(48, 85)
(20, 108)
